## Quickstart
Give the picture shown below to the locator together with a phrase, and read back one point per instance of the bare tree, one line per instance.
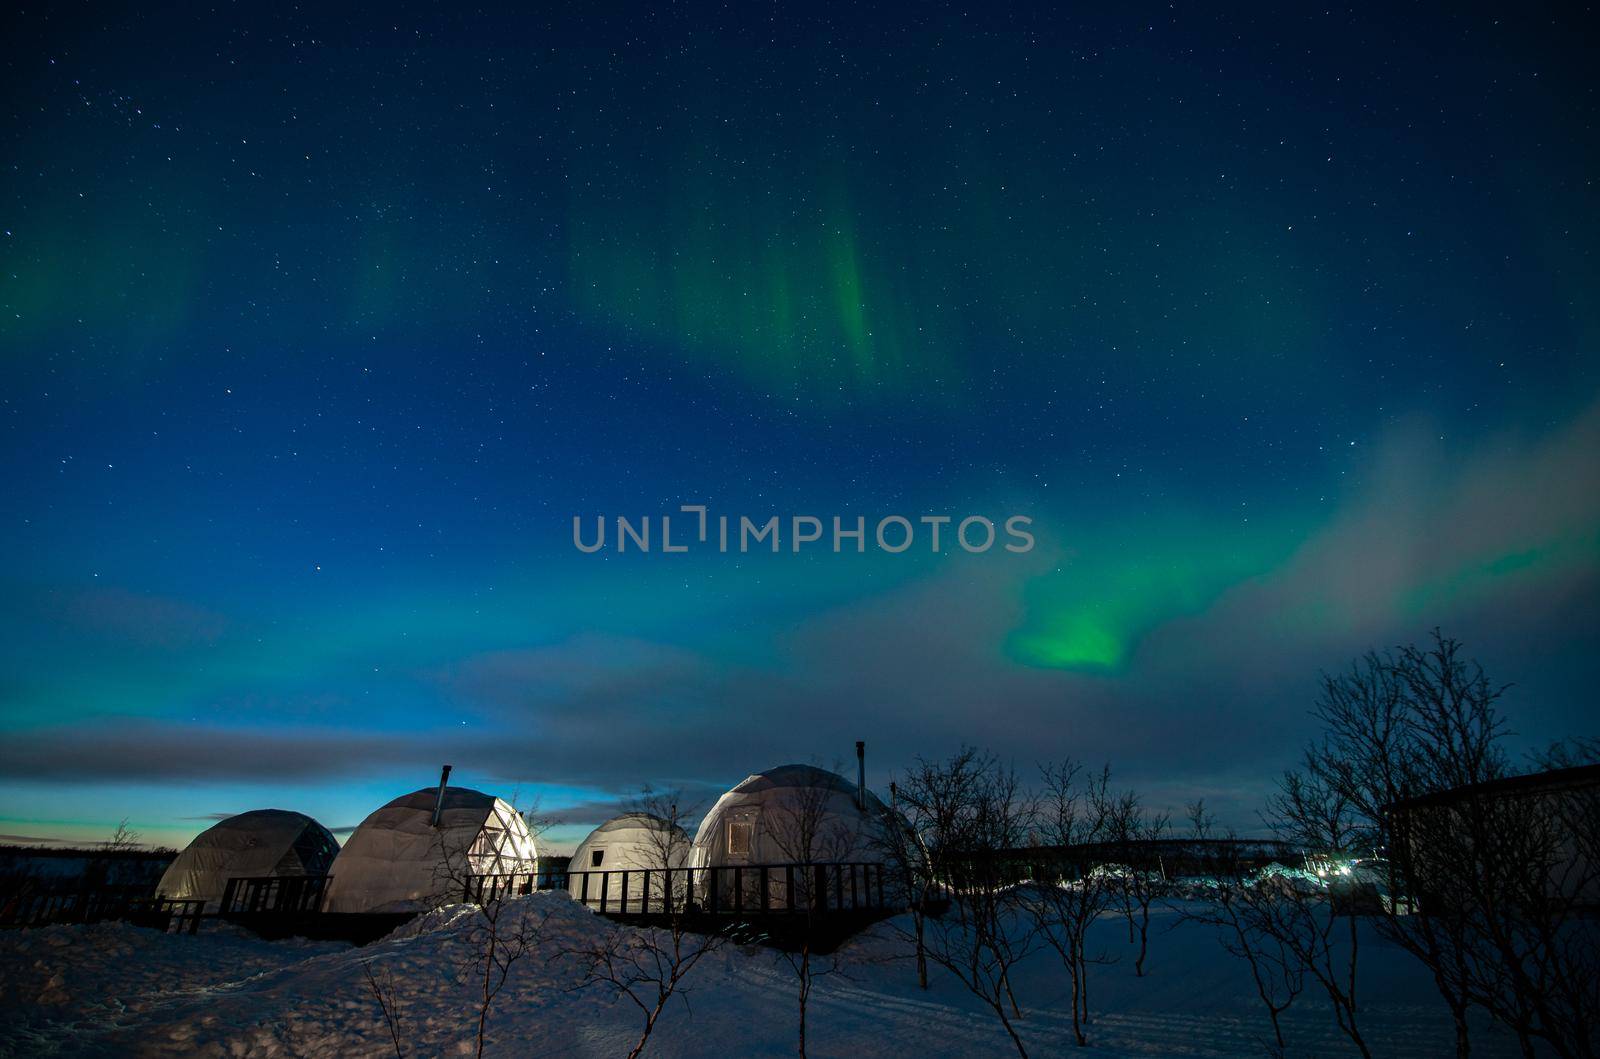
(501, 931)
(1301, 915)
(901, 841)
(649, 966)
(1133, 828)
(1077, 809)
(1528, 898)
(807, 830)
(973, 818)
(532, 814)
(102, 870)
(1373, 753)
(1482, 888)
(122, 838)
(1569, 970)
(1235, 906)
(388, 998)
(497, 941)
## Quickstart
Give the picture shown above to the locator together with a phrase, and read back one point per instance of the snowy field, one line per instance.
(116, 990)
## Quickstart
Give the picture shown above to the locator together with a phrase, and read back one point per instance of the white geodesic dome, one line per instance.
(789, 814)
(786, 816)
(398, 861)
(636, 843)
(253, 844)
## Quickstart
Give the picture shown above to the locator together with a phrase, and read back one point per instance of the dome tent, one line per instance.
(787, 815)
(631, 842)
(398, 861)
(260, 842)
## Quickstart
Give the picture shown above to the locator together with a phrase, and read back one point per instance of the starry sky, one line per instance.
(319, 325)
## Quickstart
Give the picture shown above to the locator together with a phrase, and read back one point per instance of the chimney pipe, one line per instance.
(438, 805)
(861, 775)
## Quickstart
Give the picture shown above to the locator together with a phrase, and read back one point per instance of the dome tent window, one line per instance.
(739, 832)
(597, 858)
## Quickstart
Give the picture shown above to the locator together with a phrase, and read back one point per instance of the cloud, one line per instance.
(1499, 543)
(918, 670)
(159, 752)
(692, 802)
(138, 619)
(588, 676)
(1496, 542)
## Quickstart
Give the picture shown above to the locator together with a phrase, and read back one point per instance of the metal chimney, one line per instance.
(438, 805)
(861, 775)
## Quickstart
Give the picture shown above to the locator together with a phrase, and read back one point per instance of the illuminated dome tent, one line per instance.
(787, 815)
(630, 842)
(260, 842)
(417, 852)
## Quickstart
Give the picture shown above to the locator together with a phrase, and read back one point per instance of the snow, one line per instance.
(113, 989)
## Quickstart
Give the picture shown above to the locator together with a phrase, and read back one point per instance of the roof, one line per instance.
(796, 776)
(454, 798)
(260, 820)
(1529, 783)
(633, 821)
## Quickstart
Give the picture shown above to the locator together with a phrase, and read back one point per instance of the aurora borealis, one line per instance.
(318, 329)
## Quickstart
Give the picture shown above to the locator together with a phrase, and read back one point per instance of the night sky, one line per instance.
(319, 327)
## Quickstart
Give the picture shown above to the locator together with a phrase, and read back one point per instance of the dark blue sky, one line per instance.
(320, 327)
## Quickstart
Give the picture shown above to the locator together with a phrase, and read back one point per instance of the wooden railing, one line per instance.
(482, 889)
(99, 904)
(734, 890)
(177, 915)
(274, 894)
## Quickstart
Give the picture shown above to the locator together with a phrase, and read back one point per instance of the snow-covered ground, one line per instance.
(112, 989)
